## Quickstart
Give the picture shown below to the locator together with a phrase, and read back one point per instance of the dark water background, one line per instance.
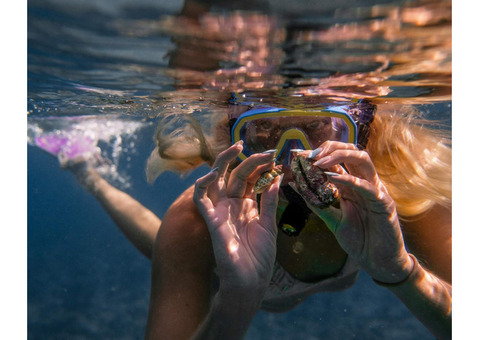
(107, 59)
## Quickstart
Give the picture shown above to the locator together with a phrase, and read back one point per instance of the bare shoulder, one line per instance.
(182, 272)
(183, 232)
(429, 238)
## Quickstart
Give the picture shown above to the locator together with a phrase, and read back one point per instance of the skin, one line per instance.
(182, 302)
(139, 224)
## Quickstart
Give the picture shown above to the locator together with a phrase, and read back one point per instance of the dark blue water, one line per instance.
(110, 61)
(85, 280)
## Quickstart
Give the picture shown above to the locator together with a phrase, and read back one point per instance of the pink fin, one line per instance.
(70, 146)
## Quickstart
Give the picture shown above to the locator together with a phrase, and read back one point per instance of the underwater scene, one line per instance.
(103, 74)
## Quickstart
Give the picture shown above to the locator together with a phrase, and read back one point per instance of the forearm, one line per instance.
(428, 298)
(137, 223)
(229, 317)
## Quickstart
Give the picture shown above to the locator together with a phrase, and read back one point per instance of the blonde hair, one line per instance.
(413, 158)
(411, 154)
(187, 146)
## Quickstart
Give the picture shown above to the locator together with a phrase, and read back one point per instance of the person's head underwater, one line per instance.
(412, 156)
(270, 128)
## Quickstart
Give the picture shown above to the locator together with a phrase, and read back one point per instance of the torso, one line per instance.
(310, 263)
(313, 255)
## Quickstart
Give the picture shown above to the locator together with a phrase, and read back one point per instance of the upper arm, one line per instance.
(182, 273)
(429, 238)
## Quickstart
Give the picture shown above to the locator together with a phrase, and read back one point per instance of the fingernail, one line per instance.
(240, 142)
(213, 170)
(331, 173)
(296, 150)
(272, 151)
(314, 153)
(322, 161)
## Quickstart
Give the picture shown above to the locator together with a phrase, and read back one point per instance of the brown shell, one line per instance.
(266, 179)
(312, 183)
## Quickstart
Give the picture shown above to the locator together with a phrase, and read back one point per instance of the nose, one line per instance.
(284, 156)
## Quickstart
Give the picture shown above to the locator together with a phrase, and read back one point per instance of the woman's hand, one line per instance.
(243, 239)
(366, 225)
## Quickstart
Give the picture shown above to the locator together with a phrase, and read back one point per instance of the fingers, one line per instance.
(252, 179)
(369, 191)
(329, 146)
(223, 235)
(243, 177)
(221, 163)
(358, 162)
(337, 168)
(268, 206)
(225, 157)
(330, 215)
(210, 188)
(200, 193)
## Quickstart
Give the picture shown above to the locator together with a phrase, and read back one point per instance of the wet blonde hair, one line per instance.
(413, 158)
(411, 155)
(188, 146)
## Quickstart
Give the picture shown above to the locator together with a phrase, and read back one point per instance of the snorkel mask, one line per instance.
(275, 128)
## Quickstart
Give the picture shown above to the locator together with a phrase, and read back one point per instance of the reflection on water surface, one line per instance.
(140, 65)
(147, 63)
